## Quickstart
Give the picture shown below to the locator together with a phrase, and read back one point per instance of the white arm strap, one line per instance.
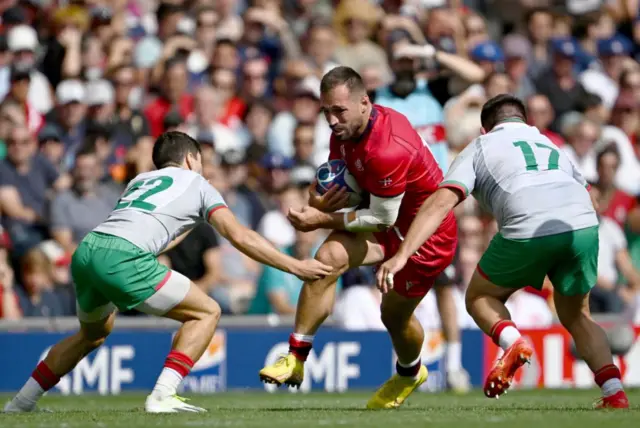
(381, 214)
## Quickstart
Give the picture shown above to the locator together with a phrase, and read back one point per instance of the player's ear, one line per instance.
(482, 130)
(364, 103)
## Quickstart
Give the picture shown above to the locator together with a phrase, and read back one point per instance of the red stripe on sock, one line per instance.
(179, 362)
(44, 376)
(164, 280)
(299, 348)
(497, 328)
(607, 372)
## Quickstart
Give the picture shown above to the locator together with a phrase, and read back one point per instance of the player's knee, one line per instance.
(210, 311)
(333, 253)
(469, 300)
(95, 336)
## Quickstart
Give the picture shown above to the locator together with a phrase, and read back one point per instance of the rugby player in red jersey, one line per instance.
(394, 165)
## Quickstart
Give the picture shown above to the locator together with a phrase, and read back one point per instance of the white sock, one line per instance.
(453, 352)
(508, 337)
(28, 395)
(611, 386)
(167, 383)
(308, 338)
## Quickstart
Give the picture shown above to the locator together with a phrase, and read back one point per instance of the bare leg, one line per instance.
(60, 360)
(342, 251)
(591, 340)
(407, 335)
(485, 303)
(448, 313)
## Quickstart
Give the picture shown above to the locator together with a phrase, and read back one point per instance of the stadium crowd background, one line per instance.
(86, 86)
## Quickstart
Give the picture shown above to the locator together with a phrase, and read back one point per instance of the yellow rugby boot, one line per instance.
(392, 394)
(286, 370)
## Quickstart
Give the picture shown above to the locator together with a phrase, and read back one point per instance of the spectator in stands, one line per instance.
(129, 125)
(489, 56)
(20, 79)
(580, 148)
(60, 262)
(37, 295)
(256, 121)
(25, 179)
(354, 20)
(9, 301)
(274, 224)
(475, 30)
(539, 28)
(51, 146)
(614, 203)
(613, 53)
(559, 82)
(541, 115)
(237, 273)
(630, 81)
(206, 118)
(613, 257)
(626, 116)
(304, 146)
(320, 46)
(305, 109)
(517, 50)
(75, 212)
(100, 99)
(69, 115)
(277, 292)
(208, 146)
(23, 44)
(173, 94)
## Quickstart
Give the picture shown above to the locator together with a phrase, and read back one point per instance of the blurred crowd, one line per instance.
(86, 86)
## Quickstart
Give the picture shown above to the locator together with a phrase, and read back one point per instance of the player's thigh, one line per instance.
(480, 286)
(571, 308)
(179, 299)
(513, 264)
(576, 271)
(347, 250)
(91, 305)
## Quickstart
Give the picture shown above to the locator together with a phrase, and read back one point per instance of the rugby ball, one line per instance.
(334, 173)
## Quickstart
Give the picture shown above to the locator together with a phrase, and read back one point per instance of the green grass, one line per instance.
(519, 409)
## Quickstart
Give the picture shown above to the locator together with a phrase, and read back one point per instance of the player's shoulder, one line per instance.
(395, 134)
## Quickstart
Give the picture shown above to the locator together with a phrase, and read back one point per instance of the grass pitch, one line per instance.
(518, 409)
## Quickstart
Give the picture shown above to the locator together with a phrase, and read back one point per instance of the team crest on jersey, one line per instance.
(359, 165)
(409, 285)
(386, 182)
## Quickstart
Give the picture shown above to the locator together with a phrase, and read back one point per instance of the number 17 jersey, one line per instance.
(158, 206)
(527, 183)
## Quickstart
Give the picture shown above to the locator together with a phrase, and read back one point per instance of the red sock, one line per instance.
(607, 372)
(44, 376)
(497, 328)
(179, 362)
(299, 348)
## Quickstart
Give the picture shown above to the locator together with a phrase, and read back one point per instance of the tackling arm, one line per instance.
(431, 214)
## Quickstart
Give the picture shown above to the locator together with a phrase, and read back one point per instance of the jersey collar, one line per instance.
(372, 120)
(509, 123)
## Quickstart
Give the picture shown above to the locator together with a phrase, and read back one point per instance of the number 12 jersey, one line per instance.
(529, 185)
(158, 206)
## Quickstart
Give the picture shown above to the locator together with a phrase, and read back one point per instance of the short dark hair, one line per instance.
(502, 107)
(342, 76)
(87, 149)
(171, 148)
(610, 149)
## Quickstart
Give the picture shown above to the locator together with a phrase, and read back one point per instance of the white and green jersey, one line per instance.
(158, 206)
(529, 185)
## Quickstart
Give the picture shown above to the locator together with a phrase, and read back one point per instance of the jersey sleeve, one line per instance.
(462, 175)
(212, 200)
(386, 174)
